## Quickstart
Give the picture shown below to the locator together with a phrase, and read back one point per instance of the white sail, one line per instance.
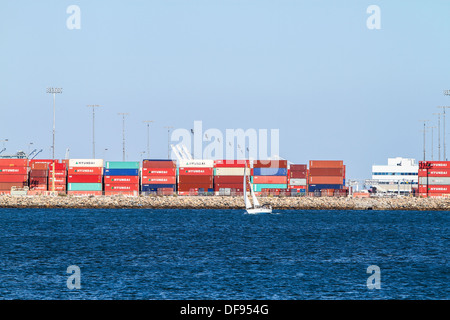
(248, 205)
(255, 200)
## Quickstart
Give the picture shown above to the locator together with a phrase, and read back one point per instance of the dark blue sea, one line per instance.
(223, 254)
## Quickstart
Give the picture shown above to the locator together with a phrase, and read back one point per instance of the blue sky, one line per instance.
(312, 69)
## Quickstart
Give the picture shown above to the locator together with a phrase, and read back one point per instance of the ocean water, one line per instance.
(223, 254)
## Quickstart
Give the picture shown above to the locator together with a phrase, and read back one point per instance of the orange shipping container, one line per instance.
(326, 164)
(325, 180)
(270, 179)
(13, 162)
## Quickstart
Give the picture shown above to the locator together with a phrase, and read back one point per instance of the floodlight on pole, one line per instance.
(432, 143)
(123, 133)
(443, 114)
(93, 106)
(148, 136)
(168, 140)
(53, 91)
(424, 131)
(439, 134)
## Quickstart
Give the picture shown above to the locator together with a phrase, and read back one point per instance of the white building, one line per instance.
(400, 175)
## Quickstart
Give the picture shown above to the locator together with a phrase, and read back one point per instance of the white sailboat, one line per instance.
(256, 207)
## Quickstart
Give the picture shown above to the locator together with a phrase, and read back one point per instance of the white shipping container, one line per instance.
(231, 171)
(196, 163)
(85, 162)
(297, 182)
(443, 181)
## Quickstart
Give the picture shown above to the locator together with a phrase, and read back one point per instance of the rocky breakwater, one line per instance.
(226, 202)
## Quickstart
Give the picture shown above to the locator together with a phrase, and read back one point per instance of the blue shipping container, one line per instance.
(269, 171)
(154, 187)
(121, 172)
(318, 187)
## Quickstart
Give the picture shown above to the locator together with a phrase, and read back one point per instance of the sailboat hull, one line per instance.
(259, 210)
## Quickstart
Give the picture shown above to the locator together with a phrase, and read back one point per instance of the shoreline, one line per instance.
(224, 202)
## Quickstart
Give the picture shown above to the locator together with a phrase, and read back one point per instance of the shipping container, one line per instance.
(228, 179)
(58, 166)
(86, 163)
(159, 180)
(229, 186)
(121, 187)
(121, 192)
(318, 187)
(231, 171)
(84, 178)
(13, 170)
(434, 164)
(270, 164)
(434, 172)
(84, 186)
(121, 172)
(269, 179)
(82, 171)
(38, 173)
(434, 189)
(39, 166)
(269, 172)
(196, 163)
(188, 186)
(259, 187)
(9, 185)
(326, 172)
(57, 180)
(154, 187)
(325, 180)
(231, 163)
(434, 181)
(85, 193)
(297, 182)
(195, 179)
(325, 164)
(195, 171)
(121, 179)
(39, 187)
(434, 195)
(13, 162)
(13, 178)
(298, 167)
(122, 165)
(148, 163)
(38, 180)
(159, 171)
(298, 174)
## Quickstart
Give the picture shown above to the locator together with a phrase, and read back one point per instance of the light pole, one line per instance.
(168, 140)
(93, 106)
(148, 136)
(53, 91)
(123, 133)
(424, 131)
(439, 134)
(443, 113)
(432, 144)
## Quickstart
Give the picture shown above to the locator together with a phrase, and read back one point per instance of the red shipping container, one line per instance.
(298, 174)
(159, 171)
(325, 164)
(13, 170)
(326, 172)
(188, 193)
(7, 185)
(159, 164)
(434, 189)
(195, 179)
(325, 180)
(125, 193)
(298, 167)
(159, 180)
(39, 166)
(38, 180)
(121, 179)
(85, 193)
(40, 187)
(434, 195)
(58, 166)
(231, 163)
(38, 173)
(84, 178)
(85, 171)
(13, 162)
(188, 186)
(13, 178)
(228, 179)
(196, 171)
(434, 172)
(58, 173)
(57, 180)
(121, 187)
(270, 164)
(270, 179)
(434, 164)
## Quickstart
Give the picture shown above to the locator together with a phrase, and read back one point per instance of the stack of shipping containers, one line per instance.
(195, 177)
(159, 176)
(13, 173)
(326, 176)
(85, 177)
(60, 169)
(121, 177)
(38, 175)
(434, 179)
(269, 176)
(229, 176)
(297, 178)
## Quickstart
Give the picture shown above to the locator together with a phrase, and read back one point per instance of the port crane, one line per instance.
(2, 150)
(35, 154)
